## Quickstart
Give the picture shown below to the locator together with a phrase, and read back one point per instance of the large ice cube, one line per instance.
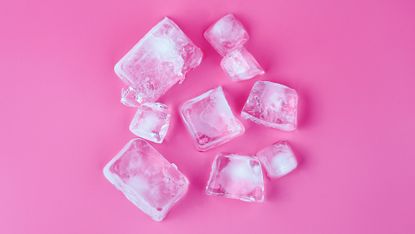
(209, 119)
(146, 178)
(239, 64)
(236, 176)
(158, 61)
(278, 159)
(272, 105)
(129, 97)
(226, 34)
(151, 121)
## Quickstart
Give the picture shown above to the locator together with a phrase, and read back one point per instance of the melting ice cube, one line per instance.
(158, 61)
(272, 105)
(146, 178)
(278, 159)
(226, 34)
(129, 97)
(209, 119)
(239, 64)
(151, 121)
(236, 176)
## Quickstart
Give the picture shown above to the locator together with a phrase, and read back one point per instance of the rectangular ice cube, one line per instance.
(239, 64)
(129, 97)
(158, 61)
(151, 121)
(236, 176)
(278, 159)
(146, 178)
(272, 105)
(209, 119)
(226, 34)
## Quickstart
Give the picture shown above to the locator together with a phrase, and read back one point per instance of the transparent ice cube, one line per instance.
(209, 119)
(239, 64)
(129, 97)
(151, 121)
(146, 178)
(236, 176)
(278, 159)
(158, 61)
(272, 105)
(226, 34)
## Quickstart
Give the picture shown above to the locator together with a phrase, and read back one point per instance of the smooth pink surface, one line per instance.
(352, 63)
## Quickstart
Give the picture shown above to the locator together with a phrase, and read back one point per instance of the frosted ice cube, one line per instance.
(236, 176)
(239, 64)
(146, 178)
(272, 105)
(226, 34)
(158, 61)
(209, 119)
(278, 159)
(129, 97)
(151, 121)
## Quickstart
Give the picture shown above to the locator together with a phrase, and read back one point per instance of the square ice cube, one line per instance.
(272, 105)
(209, 119)
(278, 159)
(129, 97)
(146, 178)
(226, 34)
(236, 176)
(158, 61)
(151, 121)
(239, 64)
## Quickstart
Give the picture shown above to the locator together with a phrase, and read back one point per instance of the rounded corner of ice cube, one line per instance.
(245, 115)
(159, 217)
(131, 127)
(206, 34)
(199, 55)
(261, 199)
(218, 88)
(106, 171)
(207, 189)
(186, 185)
(202, 148)
(167, 18)
(229, 14)
(260, 71)
(118, 69)
(157, 140)
(287, 127)
(240, 128)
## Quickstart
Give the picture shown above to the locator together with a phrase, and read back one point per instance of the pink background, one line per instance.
(352, 62)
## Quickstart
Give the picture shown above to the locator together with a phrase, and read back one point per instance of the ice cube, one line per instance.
(236, 176)
(226, 34)
(272, 105)
(239, 64)
(158, 61)
(129, 97)
(278, 159)
(151, 121)
(146, 178)
(209, 119)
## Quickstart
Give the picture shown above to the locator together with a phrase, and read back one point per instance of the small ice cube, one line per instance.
(239, 64)
(151, 121)
(146, 178)
(209, 119)
(272, 105)
(129, 97)
(278, 159)
(226, 34)
(236, 176)
(158, 61)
